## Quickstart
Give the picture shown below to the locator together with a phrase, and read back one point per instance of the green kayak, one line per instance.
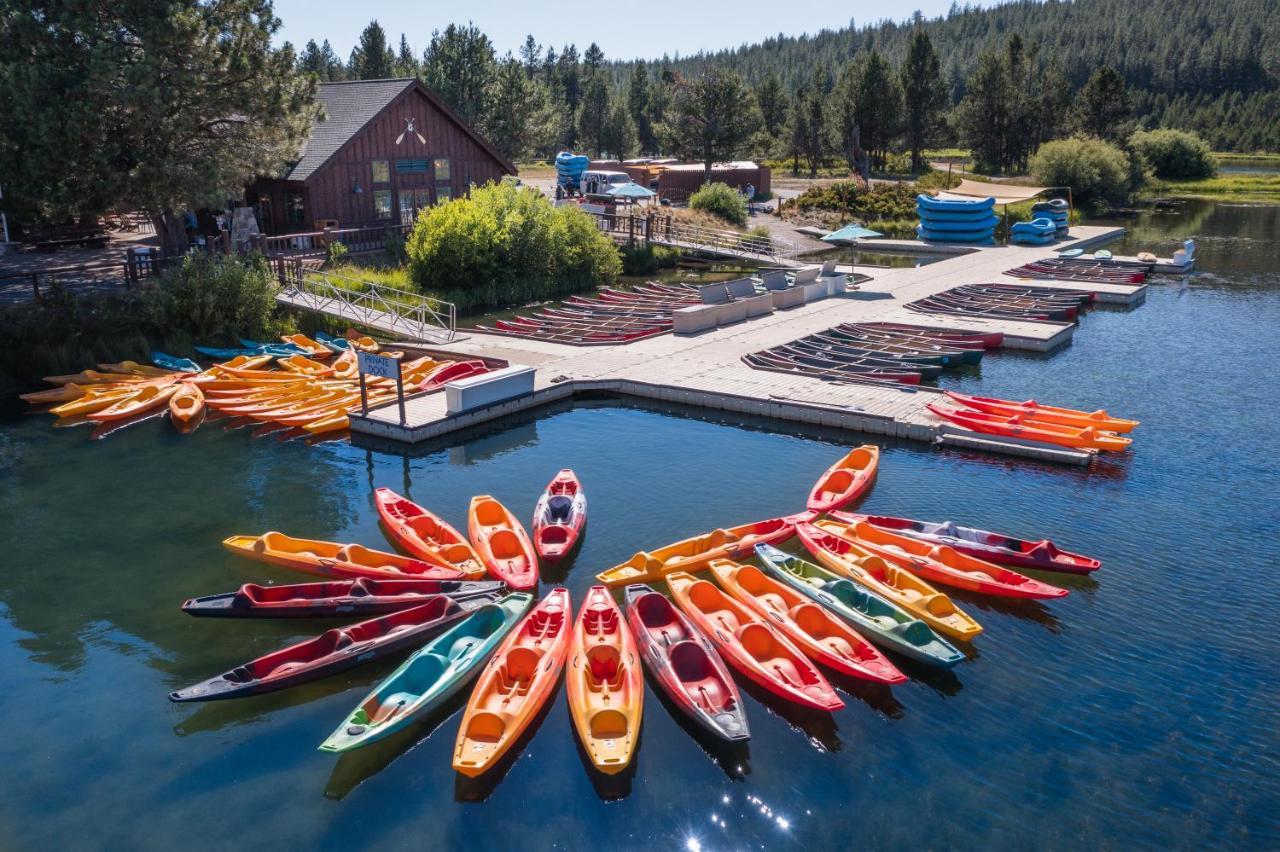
(427, 679)
(868, 613)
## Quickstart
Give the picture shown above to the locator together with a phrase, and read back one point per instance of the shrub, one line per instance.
(722, 200)
(856, 200)
(337, 252)
(1174, 153)
(214, 297)
(507, 245)
(393, 245)
(760, 236)
(647, 259)
(1099, 173)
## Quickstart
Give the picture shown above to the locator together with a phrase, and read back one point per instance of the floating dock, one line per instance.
(706, 370)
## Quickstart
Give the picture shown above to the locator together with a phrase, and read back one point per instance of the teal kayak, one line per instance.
(280, 350)
(337, 344)
(430, 677)
(222, 354)
(871, 615)
(173, 362)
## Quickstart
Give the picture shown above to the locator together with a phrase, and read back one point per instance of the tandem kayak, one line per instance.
(694, 553)
(334, 650)
(515, 684)
(846, 480)
(605, 683)
(336, 598)
(823, 638)
(886, 624)
(433, 675)
(425, 534)
(502, 543)
(751, 645)
(1033, 410)
(994, 547)
(939, 563)
(559, 516)
(330, 559)
(685, 664)
(890, 582)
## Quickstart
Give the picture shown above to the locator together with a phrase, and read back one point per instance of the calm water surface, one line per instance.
(1138, 712)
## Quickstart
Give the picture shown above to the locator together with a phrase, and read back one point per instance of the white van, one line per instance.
(597, 182)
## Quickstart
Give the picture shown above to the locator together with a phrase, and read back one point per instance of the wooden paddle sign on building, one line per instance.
(380, 367)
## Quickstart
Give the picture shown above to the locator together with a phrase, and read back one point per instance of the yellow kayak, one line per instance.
(187, 404)
(245, 362)
(694, 554)
(93, 400)
(93, 377)
(133, 368)
(146, 399)
(305, 366)
(62, 393)
(313, 348)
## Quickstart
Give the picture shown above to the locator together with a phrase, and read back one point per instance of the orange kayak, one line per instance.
(1099, 419)
(94, 399)
(846, 480)
(502, 543)
(1020, 426)
(305, 366)
(146, 399)
(63, 393)
(693, 554)
(518, 680)
(245, 362)
(93, 377)
(187, 404)
(605, 683)
(425, 534)
(329, 559)
(312, 347)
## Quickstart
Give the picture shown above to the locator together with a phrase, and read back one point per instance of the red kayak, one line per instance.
(451, 372)
(942, 564)
(559, 516)
(364, 597)
(425, 534)
(991, 546)
(846, 480)
(335, 650)
(751, 645)
(685, 664)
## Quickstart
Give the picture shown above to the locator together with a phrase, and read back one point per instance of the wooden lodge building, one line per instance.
(383, 150)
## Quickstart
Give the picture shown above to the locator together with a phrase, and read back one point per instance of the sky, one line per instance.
(623, 31)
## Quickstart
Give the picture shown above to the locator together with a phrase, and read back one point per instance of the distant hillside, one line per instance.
(1212, 66)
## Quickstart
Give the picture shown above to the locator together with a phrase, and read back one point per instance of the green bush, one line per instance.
(1174, 153)
(854, 200)
(1099, 173)
(722, 200)
(393, 245)
(760, 235)
(646, 259)
(337, 252)
(507, 245)
(214, 297)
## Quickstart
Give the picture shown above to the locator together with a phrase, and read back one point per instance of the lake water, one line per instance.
(1138, 712)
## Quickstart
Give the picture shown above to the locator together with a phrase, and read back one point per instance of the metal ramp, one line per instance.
(729, 244)
(397, 313)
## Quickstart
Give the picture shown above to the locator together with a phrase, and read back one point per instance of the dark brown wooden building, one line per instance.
(384, 150)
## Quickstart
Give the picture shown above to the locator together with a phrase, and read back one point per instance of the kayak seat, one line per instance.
(560, 508)
(505, 544)
(690, 662)
(553, 534)
(521, 664)
(609, 725)
(811, 618)
(757, 640)
(604, 667)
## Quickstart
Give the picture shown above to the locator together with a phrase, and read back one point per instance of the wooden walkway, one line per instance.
(706, 370)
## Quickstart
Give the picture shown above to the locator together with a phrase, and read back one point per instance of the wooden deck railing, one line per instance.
(361, 239)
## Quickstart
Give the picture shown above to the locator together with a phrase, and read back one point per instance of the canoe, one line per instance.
(559, 516)
(604, 683)
(425, 534)
(173, 363)
(685, 664)
(847, 480)
(779, 363)
(1033, 410)
(991, 546)
(187, 403)
(751, 645)
(329, 559)
(515, 684)
(133, 368)
(693, 554)
(334, 651)
(145, 399)
(433, 675)
(502, 543)
(819, 634)
(939, 563)
(989, 339)
(884, 623)
(1017, 426)
(363, 597)
(310, 347)
(888, 581)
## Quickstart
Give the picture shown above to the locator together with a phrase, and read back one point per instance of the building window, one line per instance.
(443, 194)
(295, 211)
(442, 170)
(381, 171)
(422, 198)
(382, 204)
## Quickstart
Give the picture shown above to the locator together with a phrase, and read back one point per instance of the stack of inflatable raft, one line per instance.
(1049, 221)
(955, 220)
(569, 168)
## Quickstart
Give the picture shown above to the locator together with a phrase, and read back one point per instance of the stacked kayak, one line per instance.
(1040, 231)
(956, 220)
(1027, 426)
(1056, 211)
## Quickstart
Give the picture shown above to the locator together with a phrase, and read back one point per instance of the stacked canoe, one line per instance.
(1079, 269)
(1007, 301)
(956, 220)
(611, 316)
(877, 352)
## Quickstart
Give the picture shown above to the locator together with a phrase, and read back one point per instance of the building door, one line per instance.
(407, 210)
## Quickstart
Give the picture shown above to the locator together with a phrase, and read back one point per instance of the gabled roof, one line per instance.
(351, 104)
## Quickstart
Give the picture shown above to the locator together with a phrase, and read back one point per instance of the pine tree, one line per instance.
(706, 119)
(406, 59)
(620, 138)
(1103, 107)
(531, 55)
(518, 120)
(923, 96)
(983, 117)
(458, 65)
(594, 115)
(592, 59)
(772, 101)
(372, 58)
(638, 103)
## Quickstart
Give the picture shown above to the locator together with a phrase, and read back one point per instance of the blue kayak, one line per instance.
(337, 344)
(280, 350)
(173, 362)
(223, 354)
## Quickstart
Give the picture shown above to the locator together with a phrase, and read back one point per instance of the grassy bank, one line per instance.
(1264, 186)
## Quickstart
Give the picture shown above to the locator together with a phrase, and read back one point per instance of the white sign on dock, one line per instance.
(378, 365)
